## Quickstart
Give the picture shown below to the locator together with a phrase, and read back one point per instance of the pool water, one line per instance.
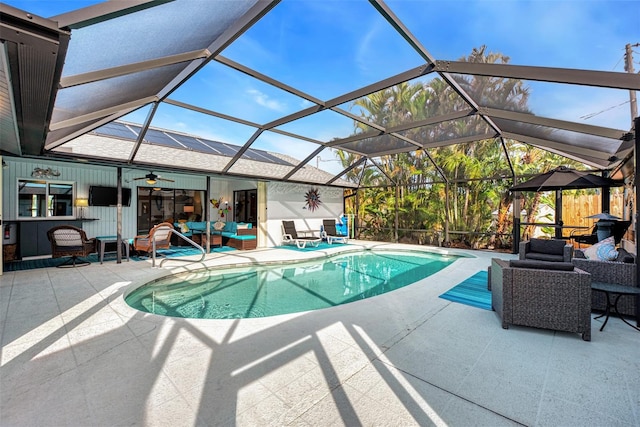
(270, 290)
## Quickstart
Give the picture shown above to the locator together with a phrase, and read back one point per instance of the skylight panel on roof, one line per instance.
(193, 143)
(111, 95)
(577, 140)
(168, 28)
(324, 48)
(379, 145)
(154, 136)
(323, 126)
(529, 32)
(219, 147)
(203, 126)
(463, 128)
(222, 89)
(288, 149)
(116, 129)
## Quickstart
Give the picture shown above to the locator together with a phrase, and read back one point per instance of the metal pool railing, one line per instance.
(183, 237)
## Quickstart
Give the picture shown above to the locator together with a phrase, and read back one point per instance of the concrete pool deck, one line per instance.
(73, 353)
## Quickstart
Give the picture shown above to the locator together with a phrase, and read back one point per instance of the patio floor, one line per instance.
(73, 353)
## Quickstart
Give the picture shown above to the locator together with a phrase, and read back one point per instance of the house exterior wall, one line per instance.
(286, 201)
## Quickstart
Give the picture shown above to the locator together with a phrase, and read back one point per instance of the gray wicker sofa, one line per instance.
(548, 295)
(622, 272)
(545, 250)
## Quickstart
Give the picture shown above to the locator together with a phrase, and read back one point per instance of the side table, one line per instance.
(101, 242)
(618, 290)
(214, 240)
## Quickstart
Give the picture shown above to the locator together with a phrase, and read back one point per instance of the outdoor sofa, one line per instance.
(539, 294)
(621, 271)
(240, 236)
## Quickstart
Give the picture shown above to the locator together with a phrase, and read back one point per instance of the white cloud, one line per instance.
(264, 100)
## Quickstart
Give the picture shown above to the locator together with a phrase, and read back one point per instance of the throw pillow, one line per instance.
(219, 225)
(604, 250)
(184, 228)
(243, 226)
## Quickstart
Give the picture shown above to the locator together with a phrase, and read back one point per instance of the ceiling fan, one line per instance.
(152, 178)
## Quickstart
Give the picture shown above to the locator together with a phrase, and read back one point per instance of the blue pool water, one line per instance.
(270, 290)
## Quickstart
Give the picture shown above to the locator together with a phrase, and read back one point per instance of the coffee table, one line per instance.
(101, 242)
(214, 240)
(618, 290)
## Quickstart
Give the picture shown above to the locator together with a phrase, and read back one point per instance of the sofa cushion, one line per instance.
(197, 225)
(541, 256)
(230, 227)
(551, 246)
(243, 237)
(604, 250)
(541, 265)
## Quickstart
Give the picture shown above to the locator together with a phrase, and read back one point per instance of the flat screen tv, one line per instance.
(108, 196)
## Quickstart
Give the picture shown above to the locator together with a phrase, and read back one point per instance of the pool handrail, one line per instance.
(177, 233)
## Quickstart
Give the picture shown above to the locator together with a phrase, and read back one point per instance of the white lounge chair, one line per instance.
(330, 233)
(290, 236)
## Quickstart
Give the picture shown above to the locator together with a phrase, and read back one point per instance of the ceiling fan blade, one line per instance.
(164, 179)
(137, 179)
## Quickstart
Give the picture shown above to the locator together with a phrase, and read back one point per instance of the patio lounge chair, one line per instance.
(290, 236)
(330, 233)
(70, 241)
(542, 294)
(162, 234)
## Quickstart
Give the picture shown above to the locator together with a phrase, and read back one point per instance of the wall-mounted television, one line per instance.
(108, 196)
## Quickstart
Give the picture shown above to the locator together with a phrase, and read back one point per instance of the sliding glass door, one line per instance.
(246, 206)
(157, 205)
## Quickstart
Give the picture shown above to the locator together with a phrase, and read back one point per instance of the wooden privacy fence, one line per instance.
(575, 209)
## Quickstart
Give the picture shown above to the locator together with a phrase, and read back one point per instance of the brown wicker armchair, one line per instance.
(162, 234)
(550, 299)
(70, 241)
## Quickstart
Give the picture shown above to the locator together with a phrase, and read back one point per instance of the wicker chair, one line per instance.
(161, 233)
(550, 299)
(546, 250)
(70, 241)
(609, 272)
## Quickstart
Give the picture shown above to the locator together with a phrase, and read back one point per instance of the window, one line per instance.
(45, 199)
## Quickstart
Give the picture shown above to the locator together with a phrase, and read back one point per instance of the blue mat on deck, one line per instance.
(472, 291)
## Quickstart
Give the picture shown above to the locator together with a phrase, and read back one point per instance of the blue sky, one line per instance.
(328, 47)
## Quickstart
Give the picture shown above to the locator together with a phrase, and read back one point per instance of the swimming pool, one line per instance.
(270, 290)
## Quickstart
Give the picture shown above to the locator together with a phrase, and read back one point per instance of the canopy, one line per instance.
(269, 89)
(563, 178)
(605, 216)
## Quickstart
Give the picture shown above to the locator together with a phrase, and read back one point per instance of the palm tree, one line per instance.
(473, 199)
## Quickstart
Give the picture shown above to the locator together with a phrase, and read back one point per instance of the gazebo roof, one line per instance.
(252, 83)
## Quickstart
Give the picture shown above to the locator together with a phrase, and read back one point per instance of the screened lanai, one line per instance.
(284, 88)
